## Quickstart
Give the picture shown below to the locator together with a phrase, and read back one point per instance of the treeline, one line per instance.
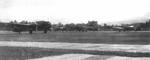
(90, 26)
(144, 26)
(47, 26)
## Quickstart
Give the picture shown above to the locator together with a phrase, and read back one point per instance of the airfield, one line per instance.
(99, 45)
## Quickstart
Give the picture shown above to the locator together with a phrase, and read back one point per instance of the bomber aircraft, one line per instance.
(124, 28)
(15, 27)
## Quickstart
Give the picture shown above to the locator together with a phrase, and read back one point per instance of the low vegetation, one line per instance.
(109, 37)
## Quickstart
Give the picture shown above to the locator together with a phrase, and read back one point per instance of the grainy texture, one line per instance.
(109, 37)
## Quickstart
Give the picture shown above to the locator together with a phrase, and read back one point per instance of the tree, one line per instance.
(58, 27)
(24, 22)
(92, 25)
(70, 27)
(43, 25)
(80, 27)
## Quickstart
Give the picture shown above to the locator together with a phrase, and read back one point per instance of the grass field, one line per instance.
(81, 37)
(22, 53)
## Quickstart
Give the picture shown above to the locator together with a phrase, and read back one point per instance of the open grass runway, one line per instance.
(104, 37)
(52, 50)
(68, 45)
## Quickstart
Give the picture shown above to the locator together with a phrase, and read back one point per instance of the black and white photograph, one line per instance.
(74, 29)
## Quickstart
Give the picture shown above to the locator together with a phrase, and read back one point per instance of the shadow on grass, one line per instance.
(22, 53)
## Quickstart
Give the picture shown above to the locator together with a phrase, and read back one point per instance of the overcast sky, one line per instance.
(74, 11)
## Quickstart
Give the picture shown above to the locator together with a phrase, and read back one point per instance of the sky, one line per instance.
(74, 11)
